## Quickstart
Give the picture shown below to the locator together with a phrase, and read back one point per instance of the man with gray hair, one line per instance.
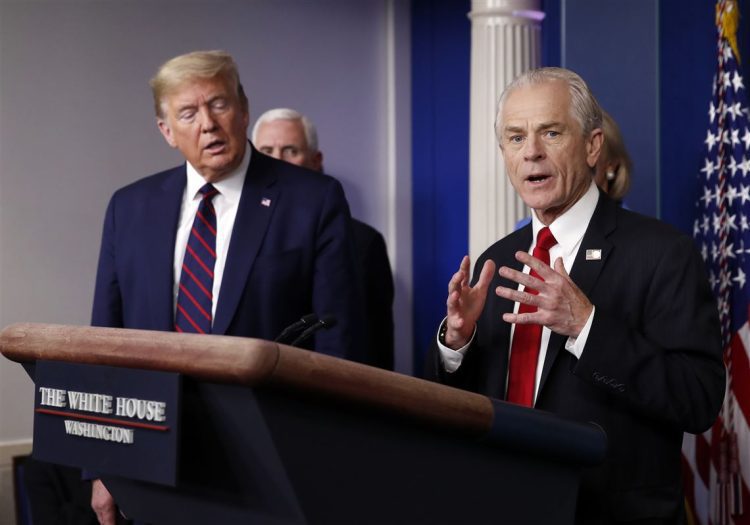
(596, 313)
(231, 242)
(288, 135)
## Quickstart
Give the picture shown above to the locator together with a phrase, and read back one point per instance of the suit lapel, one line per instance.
(518, 241)
(257, 204)
(586, 270)
(164, 212)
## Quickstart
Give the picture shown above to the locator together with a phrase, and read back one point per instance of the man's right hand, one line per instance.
(103, 503)
(465, 303)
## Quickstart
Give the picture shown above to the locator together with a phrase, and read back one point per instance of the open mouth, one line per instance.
(217, 146)
(536, 179)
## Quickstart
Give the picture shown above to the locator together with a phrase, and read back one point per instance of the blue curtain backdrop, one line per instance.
(441, 36)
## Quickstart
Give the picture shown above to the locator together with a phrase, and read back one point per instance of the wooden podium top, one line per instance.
(253, 363)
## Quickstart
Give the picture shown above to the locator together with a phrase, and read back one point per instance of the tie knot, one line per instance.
(208, 191)
(545, 240)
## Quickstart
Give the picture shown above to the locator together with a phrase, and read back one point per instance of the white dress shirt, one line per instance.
(225, 204)
(568, 229)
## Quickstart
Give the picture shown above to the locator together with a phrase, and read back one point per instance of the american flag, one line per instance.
(717, 462)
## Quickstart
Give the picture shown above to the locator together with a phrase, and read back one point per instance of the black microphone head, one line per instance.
(294, 328)
(328, 321)
(324, 323)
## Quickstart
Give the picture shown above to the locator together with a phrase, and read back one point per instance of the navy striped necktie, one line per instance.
(195, 297)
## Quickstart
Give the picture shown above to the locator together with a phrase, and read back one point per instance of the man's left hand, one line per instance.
(561, 305)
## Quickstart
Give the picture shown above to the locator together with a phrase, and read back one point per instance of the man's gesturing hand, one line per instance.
(465, 303)
(561, 305)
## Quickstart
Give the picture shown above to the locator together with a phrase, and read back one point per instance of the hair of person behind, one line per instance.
(615, 154)
(311, 134)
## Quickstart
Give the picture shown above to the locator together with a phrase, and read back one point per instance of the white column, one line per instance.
(505, 41)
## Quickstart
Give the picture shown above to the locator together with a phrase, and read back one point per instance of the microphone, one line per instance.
(294, 328)
(325, 322)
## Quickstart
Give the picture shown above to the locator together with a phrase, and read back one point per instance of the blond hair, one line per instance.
(196, 65)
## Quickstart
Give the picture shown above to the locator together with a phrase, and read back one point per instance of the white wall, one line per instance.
(76, 123)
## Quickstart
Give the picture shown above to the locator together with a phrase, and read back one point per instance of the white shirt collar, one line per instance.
(569, 227)
(230, 186)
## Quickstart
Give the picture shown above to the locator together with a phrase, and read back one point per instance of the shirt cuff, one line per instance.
(575, 345)
(452, 358)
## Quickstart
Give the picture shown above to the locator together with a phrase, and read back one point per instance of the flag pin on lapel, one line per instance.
(265, 201)
(593, 255)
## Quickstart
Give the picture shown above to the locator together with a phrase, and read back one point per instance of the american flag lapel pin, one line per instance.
(593, 255)
(265, 201)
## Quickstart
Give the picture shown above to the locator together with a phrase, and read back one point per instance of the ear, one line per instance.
(166, 132)
(317, 162)
(594, 147)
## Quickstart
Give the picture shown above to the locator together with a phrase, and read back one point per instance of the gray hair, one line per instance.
(311, 134)
(583, 105)
(196, 65)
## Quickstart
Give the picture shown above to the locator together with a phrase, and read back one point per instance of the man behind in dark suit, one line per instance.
(289, 135)
(283, 245)
(630, 336)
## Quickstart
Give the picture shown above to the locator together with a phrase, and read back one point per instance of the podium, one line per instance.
(273, 434)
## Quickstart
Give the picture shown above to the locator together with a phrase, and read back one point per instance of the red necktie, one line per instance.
(527, 338)
(195, 298)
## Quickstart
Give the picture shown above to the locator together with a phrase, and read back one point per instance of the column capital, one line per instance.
(530, 10)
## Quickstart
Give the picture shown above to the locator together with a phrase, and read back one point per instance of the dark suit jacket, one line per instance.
(651, 368)
(377, 288)
(287, 259)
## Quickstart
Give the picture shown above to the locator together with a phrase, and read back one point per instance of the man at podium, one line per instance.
(591, 312)
(231, 242)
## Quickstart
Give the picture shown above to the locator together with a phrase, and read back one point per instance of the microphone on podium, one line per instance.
(325, 322)
(293, 329)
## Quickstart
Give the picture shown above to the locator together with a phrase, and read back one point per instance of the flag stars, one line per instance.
(740, 278)
(712, 280)
(736, 111)
(735, 137)
(732, 194)
(711, 113)
(744, 166)
(708, 168)
(727, 51)
(731, 223)
(737, 82)
(711, 140)
(746, 139)
(725, 78)
(718, 225)
(733, 165)
(744, 226)
(725, 280)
